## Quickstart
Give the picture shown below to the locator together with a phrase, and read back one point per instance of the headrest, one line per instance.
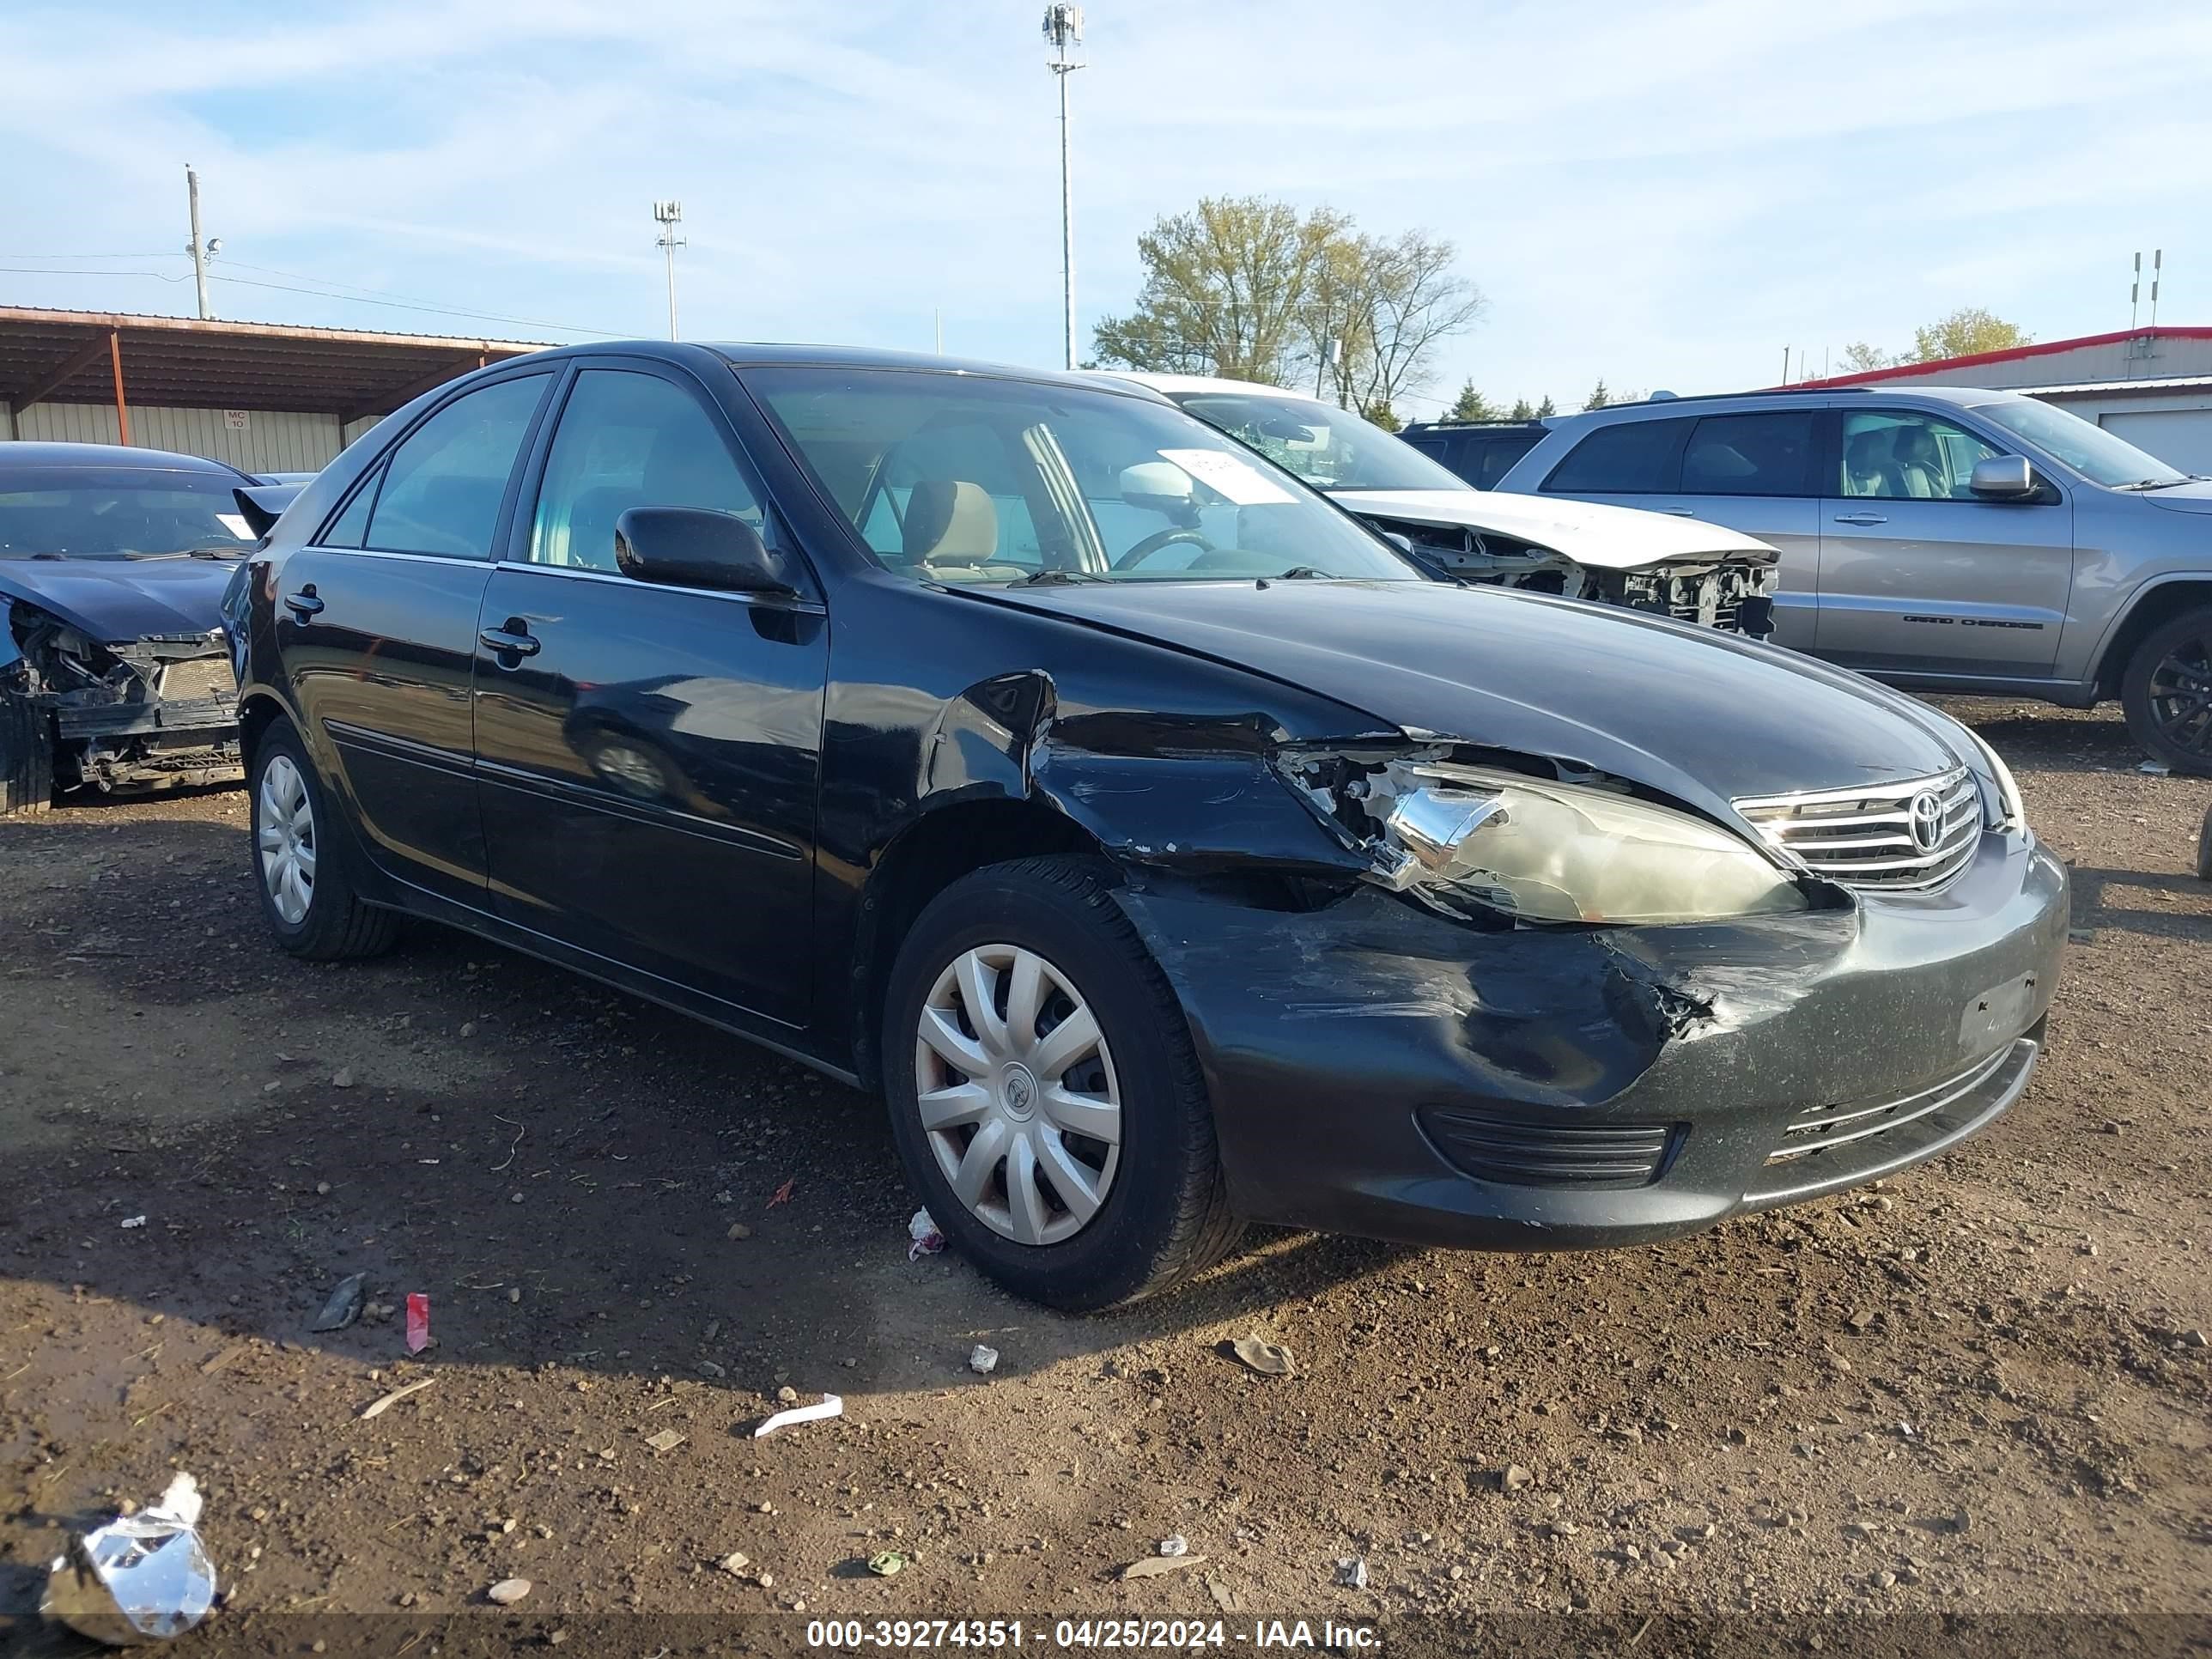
(949, 521)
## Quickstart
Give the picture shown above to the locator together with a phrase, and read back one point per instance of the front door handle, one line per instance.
(512, 641)
(304, 603)
(1862, 518)
(1679, 511)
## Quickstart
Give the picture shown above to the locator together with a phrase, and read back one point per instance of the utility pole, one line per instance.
(669, 215)
(1063, 28)
(197, 248)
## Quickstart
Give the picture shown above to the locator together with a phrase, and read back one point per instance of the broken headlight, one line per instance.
(2006, 810)
(1541, 851)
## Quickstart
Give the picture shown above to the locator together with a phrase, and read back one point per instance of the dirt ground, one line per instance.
(1980, 1389)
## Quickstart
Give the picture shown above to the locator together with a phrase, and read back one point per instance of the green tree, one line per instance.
(1381, 415)
(1471, 405)
(1522, 411)
(1546, 409)
(1253, 288)
(1859, 357)
(1599, 397)
(1226, 290)
(1966, 330)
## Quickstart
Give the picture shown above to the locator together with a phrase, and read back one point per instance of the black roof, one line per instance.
(764, 354)
(1529, 425)
(24, 454)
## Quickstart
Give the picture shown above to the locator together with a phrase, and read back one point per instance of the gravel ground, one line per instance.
(1981, 1388)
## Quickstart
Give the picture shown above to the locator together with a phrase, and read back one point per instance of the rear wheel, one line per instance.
(2167, 692)
(27, 757)
(1044, 1093)
(307, 892)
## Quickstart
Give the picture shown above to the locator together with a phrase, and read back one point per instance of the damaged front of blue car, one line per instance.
(113, 672)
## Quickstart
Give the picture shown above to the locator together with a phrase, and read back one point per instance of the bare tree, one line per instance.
(1399, 299)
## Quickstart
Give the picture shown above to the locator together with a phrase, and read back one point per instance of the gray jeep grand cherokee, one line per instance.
(1941, 539)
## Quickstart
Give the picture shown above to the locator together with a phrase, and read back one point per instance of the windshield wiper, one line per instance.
(1053, 574)
(1302, 573)
(2165, 483)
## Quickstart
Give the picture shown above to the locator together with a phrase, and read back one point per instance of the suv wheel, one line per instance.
(308, 893)
(1044, 1093)
(2167, 693)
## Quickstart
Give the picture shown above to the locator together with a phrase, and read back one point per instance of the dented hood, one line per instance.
(1701, 716)
(1605, 538)
(112, 600)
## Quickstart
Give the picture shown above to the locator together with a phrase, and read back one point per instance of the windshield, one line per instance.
(962, 478)
(116, 512)
(2090, 450)
(1330, 448)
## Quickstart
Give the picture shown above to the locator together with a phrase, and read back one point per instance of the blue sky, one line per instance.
(1661, 194)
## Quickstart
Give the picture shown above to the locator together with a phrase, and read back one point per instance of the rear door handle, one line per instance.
(1862, 518)
(1679, 511)
(304, 603)
(512, 640)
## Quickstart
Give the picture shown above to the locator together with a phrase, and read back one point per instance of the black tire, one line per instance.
(27, 757)
(1165, 1215)
(2156, 691)
(338, 925)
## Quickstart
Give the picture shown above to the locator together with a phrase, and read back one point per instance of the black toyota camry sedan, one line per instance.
(1162, 846)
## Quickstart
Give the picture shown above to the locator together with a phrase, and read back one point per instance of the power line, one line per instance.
(71, 270)
(440, 311)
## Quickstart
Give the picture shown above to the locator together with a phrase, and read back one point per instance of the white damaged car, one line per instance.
(1681, 567)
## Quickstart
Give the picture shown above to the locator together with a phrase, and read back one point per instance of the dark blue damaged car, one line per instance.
(1167, 851)
(112, 565)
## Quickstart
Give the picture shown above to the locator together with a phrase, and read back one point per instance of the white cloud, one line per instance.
(1659, 195)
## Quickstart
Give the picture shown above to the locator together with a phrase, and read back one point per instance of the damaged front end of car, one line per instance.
(1733, 591)
(153, 712)
(1496, 999)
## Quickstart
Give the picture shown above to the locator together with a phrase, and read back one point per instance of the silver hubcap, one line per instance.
(1017, 1094)
(285, 836)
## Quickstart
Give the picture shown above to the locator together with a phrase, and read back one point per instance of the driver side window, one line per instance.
(1904, 455)
(628, 440)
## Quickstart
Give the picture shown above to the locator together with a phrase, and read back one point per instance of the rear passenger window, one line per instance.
(1633, 458)
(1763, 454)
(444, 484)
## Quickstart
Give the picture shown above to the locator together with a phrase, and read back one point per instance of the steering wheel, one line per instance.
(1153, 542)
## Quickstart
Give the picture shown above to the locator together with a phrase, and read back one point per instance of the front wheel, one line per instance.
(308, 893)
(1044, 1093)
(2167, 692)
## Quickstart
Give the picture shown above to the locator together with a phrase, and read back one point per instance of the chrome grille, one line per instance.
(1864, 837)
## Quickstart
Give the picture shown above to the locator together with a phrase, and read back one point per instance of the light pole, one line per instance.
(197, 247)
(669, 215)
(1063, 30)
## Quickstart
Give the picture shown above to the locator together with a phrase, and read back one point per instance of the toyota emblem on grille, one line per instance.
(1927, 813)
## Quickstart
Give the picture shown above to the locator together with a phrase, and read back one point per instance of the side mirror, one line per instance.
(1403, 543)
(697, 547)
(1161, 487)
(2002, 478)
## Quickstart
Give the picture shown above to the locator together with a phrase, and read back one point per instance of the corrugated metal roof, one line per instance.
(2170, 382)
(205, 363)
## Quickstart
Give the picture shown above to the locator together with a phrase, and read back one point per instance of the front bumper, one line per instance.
(1377, 1069)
